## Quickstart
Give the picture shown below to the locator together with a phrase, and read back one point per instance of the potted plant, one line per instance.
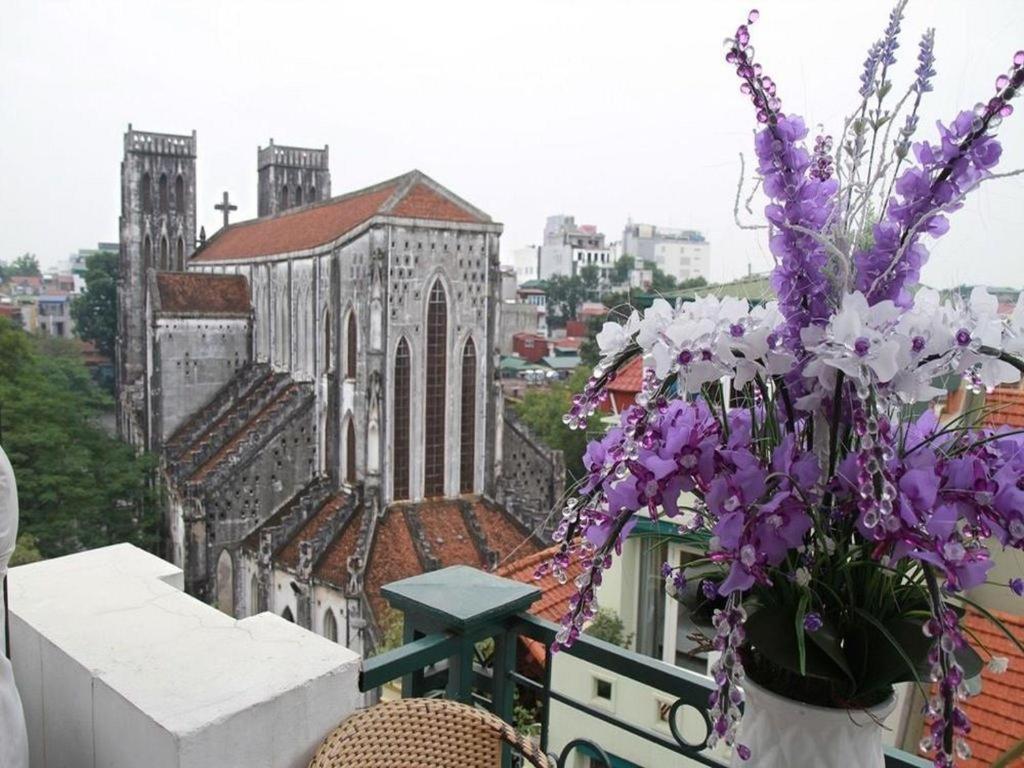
(844, 523)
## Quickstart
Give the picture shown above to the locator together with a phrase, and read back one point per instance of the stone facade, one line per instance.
(158, 232)
(533, 476)
(310, 371)
(291, 176)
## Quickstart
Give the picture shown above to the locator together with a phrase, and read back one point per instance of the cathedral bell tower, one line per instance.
(290, 177)
(158, 231)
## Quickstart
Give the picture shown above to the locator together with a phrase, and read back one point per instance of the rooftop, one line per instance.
(205, 294)
(412, 195)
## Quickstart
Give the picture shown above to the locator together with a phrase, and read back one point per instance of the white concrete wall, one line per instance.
(117, 667)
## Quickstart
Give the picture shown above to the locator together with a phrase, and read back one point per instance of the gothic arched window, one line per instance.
(286, 614)
(284, 197)
(403, 382)
(312, 194)
(467, 441)
(179, 194)
(147, 254)
(330, 626)
(328, 350)
(147, 194)
(298, 195)
(350, 452)
(164, 203)
(351, 346)
(180, 254)
(435, 390)
(254, 595)
(163, 253)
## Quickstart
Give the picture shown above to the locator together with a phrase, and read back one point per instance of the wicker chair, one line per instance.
(423, 733)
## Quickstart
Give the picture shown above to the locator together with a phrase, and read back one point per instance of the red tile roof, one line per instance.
(195, 292)
(447, 535)
(393, 557)
(628, 378)
(409, 196)
(1005, 407)
(996, 714)
(289, 554)
(554, 597)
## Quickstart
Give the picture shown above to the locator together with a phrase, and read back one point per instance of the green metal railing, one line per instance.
(448, 613)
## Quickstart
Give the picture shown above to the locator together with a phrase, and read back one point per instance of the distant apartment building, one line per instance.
(526, 262)
(569, 248)
(682, 253)
(55, 316)
(77, 265)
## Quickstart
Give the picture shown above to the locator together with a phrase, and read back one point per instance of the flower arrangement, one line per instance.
(843, 523)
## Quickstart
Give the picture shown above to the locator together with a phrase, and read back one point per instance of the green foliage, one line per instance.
(590, 276)
(525, 717)
(660, 281)
(620, 272)
(26, 265)
(26, 550)
(391, 625)
(565, 294)
(95, 311)
(542, 409)
(607, 626)
(78, 487)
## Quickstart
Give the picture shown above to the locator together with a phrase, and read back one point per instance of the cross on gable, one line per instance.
(226, 207)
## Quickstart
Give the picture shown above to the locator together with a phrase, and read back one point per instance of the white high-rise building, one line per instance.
(526, 262)
(682, 253)
(569, 248)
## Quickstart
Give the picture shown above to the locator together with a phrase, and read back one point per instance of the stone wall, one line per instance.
(532, 476)
(513, 318)
(193, 359)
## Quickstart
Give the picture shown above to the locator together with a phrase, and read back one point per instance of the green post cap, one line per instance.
(460, 596)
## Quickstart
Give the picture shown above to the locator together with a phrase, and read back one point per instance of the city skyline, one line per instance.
(603, 111)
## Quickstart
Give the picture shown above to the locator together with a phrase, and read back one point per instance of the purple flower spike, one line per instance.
(813, 622)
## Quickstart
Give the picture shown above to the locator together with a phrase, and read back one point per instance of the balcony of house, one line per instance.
(118, 667)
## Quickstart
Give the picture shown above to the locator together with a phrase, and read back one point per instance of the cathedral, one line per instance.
(319, 384)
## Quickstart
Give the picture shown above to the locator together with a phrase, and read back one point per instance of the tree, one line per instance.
(623, 266)
(78, 488)
(660, 281)
(607, 626)
(565, 294)
(26, 265)
(590, 276)
(95, 311)
(542, 409)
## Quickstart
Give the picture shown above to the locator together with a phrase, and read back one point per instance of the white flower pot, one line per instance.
(782, 733)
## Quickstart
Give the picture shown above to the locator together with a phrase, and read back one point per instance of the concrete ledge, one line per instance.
(117, 667)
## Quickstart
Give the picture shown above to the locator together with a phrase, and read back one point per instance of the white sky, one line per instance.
(596, 108)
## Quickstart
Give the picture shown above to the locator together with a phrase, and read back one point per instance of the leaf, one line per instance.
(1006, 759)
(801, 640)
(827, 639)
(771, 632)
(878, 678)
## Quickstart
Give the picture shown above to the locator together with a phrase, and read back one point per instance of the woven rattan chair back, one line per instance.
(423, 733)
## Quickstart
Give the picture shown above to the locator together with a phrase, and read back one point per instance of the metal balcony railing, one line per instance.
(449, 614)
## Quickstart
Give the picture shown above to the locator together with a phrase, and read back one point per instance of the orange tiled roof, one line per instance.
(409, 196)
(393, 557)
(202, 293)
(629, 377)
(996, 714)
(1005, 407)
(289, 554)
(554, 596)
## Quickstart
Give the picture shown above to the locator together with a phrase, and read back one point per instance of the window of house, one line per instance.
(351, 346)
(402, 382)
(163, 253)
(147, 253)
(181, 254)
(350, 453)
(147, 194)
(284, 197)
(436, 391)
(179, 194)
(298, 195)
(254, 595)
(286, 614)
(650, 618)
(312, 194)
(602, 689)
(330, 626)
(468, 426)
(164, 203)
